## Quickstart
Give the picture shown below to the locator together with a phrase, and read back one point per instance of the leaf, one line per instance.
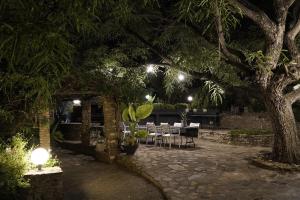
(144, 111)
(141, 134)
(125, 115)
(131, 112)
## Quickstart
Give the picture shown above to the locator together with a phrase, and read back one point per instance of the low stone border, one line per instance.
(46, 184)
(262, 162)
(248, 140)
(126, 162)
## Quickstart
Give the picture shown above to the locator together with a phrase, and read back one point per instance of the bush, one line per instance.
(164, 106)
(250, 132)
(181, 106)
(14, 163)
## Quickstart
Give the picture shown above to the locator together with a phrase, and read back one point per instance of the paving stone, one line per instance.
(215, 171)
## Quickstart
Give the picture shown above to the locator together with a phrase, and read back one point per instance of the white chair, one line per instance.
(176, 131)
(166, 133)
(196, 125)
(153, 133)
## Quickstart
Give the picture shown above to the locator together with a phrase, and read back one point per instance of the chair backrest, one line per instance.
(195, 125)
(165, 128)
(176, 124)
(151, 127)
(163, 123)
(123, 126)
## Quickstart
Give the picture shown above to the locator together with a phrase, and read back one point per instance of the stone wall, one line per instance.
(245, 121)
(248, 140)
(46, 184)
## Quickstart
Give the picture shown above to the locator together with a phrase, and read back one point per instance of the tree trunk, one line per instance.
(86, 122)
(111, 126)
(44, 128)
(285, 147)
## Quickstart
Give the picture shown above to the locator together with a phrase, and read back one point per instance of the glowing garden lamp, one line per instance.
(181, 77)
(39, 157)
(190, 98)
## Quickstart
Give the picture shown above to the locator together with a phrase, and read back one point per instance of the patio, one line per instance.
(213, 171)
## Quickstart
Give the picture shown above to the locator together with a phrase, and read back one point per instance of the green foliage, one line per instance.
(171, 81)
(210, 94)
(258, 60)
(13, 165)
(250, 132)
(166, 106)
(133, 116)
(37, 46)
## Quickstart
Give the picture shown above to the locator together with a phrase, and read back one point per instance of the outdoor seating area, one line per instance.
(165, 134)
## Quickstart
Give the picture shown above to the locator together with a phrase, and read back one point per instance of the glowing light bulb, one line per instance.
(147, 96)
(190, 98)
(150, 69)
(39, 157)
(181, 77)
(76, 102)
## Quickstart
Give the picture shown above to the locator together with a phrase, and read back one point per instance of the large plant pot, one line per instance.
(130, 149)
(100, 147)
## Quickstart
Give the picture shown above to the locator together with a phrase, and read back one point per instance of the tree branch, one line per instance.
(152, 48)
(293, 96)
(232, 57)
(256, 15)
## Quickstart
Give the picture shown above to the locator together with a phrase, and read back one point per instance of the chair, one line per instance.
(164, 123)
(125, 131)
(194, 125)
(166, 133)
(153, 133)
(176, 131)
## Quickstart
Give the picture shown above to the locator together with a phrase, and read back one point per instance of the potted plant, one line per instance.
(100, 145)
(132, 115)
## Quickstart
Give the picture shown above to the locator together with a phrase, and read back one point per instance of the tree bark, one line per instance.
(286, 141)
(86, 122)
(44, 128)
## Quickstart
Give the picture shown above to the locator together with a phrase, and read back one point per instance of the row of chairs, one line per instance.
(162, 134)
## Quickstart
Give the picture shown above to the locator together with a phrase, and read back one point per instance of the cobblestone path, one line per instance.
(215, 171)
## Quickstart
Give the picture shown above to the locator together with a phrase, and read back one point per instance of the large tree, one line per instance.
(175, 32)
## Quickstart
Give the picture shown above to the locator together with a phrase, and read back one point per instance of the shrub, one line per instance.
(250, 132)
(164, 106)
(13, 165)
(181, 106)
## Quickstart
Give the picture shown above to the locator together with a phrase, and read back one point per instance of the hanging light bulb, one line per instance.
(181, 77)
(150, 68)
(190, 98)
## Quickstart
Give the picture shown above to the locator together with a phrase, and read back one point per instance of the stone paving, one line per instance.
(214, 171)
(86, 179)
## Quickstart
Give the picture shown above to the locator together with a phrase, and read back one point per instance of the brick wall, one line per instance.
(245, 121)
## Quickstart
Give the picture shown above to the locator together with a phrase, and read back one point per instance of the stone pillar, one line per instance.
(111, 126)
(44, 129)
(86, 122)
